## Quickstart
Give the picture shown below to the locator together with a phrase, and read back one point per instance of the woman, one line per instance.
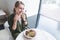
(18, 20)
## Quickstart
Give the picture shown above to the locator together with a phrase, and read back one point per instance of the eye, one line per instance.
(21, 8)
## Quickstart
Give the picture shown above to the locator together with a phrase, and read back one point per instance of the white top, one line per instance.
(40, 35)
(20, 21)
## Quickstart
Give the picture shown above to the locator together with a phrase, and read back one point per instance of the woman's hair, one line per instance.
(17, 4)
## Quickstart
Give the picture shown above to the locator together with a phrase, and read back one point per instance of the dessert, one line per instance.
(30, 33)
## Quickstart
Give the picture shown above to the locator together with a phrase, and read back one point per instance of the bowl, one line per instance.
(30, 33)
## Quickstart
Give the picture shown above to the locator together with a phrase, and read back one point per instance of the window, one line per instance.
(31, 7)
(51, 9)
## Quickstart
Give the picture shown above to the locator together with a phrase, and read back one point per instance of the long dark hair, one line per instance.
(17, 4)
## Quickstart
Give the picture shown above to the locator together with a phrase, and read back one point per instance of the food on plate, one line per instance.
(30, 33)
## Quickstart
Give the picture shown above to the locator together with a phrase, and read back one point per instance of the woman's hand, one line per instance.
(23, 16)
(24, 19)
(14, 27)
(25, 22)
(16, 18)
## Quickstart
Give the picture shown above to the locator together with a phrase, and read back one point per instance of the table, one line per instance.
(40, 35)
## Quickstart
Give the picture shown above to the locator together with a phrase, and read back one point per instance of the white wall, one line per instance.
(3, 5)
(10, 5)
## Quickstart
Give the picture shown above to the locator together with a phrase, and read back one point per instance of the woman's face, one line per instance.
(19, 9)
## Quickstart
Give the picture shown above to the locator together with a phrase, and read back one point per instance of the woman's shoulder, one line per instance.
(11, 16)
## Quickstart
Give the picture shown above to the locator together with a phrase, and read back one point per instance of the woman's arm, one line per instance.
(14, 26)
(12, 22)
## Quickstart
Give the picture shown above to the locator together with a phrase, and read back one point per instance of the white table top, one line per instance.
(40, 35)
